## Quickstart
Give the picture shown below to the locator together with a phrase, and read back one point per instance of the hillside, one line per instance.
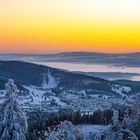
(31, 74)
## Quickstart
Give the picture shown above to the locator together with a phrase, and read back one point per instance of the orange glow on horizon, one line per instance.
(74, 25)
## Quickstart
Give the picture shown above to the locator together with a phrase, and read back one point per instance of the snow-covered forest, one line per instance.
(56, 111)
(66, 124)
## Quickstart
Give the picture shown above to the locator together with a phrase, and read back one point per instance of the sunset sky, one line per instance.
(50, 26)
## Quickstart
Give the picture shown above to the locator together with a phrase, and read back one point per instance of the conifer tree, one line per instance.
(14, 123)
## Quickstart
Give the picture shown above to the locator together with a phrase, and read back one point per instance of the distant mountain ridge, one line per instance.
(72, 52)
(125, 59)
(95, 53)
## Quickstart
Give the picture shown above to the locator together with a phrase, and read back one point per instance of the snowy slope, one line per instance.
(121, 89)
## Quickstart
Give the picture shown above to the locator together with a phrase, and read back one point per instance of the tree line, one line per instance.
(39, 122)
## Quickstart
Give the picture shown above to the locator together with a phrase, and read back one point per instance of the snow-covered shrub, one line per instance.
(65, 131)
(132, 121)
(114, 131)
(14, 124)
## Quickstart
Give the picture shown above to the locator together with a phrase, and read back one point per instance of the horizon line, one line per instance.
(63, 52)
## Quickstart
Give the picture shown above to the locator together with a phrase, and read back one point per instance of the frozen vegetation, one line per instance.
(81, 117)
(116, 130)
(72, 107)
(65, 131)
(14, 124)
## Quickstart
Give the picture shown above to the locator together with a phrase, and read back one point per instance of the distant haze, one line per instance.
(111, 66)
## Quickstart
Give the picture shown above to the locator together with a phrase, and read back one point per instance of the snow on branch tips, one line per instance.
(14, 123)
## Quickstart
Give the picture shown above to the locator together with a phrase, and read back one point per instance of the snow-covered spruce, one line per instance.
(132, 117)
(65, 131)
(114, 131)
(14, 124)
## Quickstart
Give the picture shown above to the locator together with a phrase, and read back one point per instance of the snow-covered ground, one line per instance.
(86, 129)
(46, 100)
(57, 100)
(35, 94)
(120, 89)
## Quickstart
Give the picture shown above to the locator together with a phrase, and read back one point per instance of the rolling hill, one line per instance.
(31, 74)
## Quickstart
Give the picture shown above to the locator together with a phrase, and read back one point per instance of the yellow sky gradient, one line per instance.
(44, 26)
